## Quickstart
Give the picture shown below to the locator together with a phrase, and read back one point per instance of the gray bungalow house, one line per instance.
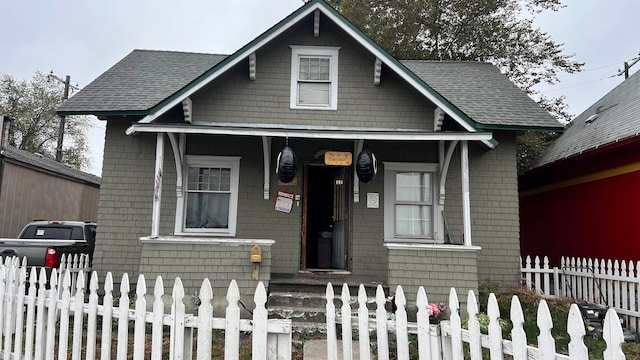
(189, 186)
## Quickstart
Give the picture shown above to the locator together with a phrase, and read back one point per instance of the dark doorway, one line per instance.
(325, 216)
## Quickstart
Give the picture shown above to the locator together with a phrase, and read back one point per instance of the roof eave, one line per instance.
(518, 127)
(104, 113)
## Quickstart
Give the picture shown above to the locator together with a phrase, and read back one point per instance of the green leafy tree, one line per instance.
(32, 106)
(500, 32)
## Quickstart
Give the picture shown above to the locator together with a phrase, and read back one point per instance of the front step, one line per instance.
(304, 302)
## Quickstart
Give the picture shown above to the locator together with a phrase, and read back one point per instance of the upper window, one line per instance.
(410, 211)
(314, 77)
(210, 200)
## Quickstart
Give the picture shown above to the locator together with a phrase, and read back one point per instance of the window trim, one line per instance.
(390, 171)
(232, 162)
(314, 51)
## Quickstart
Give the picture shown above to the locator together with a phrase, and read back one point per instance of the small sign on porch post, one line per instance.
(284, 201)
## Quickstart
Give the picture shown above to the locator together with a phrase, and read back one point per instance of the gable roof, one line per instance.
(615, 117)
(466, 91)
(46, 164)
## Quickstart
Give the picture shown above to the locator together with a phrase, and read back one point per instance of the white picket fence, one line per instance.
(445, 341)
(36, 322)
(612, 283)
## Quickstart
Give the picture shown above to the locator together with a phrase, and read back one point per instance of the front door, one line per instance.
(325, 226)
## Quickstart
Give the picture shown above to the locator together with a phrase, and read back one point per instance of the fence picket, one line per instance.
(78, 316)
(616, 285)
(177, 342)
(232, 323)
(518, 335)
(363, 324)
(63, 342)
(107, 318)
(609, 282)
(3, 286)
(475, 347)
(546, 273)
(546, 343)
(41, 313)
(259, 339)
(536, 275)
(158, 314)
(424, 348)
(92, 317)
(332, 342)
(575, 329)
(528, 272)
(9, 309)
(456, 326)
(31, 314)
(123, 318)
(402, 336)
(613, 336)
(347, 342)
(495, 331)
(205, 313)
(139, 322)
(381, 325)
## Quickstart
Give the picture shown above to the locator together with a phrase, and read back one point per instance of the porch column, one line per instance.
(157, 189)
(466, 207)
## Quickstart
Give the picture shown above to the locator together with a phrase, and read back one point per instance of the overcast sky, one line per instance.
(84, 38)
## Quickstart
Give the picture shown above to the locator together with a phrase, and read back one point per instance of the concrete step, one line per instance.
(310, 299)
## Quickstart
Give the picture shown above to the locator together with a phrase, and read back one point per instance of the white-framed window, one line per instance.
(209, 204)
(411, 210)
(314, 77)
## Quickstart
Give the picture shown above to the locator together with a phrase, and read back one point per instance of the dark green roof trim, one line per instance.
(107, 113)
(517, 128)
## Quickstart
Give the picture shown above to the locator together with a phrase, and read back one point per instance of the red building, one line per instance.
(583, 197)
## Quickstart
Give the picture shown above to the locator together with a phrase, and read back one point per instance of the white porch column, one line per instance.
(466, 207)
(157, 189)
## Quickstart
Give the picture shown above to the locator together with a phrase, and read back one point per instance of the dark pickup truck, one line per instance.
(44, 242)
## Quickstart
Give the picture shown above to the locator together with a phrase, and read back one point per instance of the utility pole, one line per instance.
(63, 118)
(627, 66)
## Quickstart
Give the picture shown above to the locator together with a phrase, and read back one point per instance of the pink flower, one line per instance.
(433, 310)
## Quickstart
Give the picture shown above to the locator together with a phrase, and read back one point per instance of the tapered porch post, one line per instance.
(157, 189)
(466, 207)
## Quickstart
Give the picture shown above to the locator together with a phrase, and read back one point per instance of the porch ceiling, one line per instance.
(309, 132)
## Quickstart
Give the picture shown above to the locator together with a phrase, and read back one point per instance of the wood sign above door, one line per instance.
(338, 158)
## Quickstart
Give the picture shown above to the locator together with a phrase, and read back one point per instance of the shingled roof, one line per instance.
(138, 82)
(45, 164)
(615, 117)
(483, 93)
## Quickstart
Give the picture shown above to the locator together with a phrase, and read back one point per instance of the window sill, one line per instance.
(201, 239)
(430, 247)
(313, 107)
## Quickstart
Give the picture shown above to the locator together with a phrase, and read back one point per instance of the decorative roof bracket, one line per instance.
(438, 119)
(377, 71)
(316, 23)
(187, 109)
(252, 66)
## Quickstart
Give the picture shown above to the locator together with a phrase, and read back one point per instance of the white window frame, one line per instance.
(390, 171)
(298, 52)
(232, 162)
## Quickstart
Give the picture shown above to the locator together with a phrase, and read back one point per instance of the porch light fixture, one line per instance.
(287, 165)
(366, 166)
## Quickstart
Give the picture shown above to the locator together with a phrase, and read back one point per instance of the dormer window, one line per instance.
(314, 77)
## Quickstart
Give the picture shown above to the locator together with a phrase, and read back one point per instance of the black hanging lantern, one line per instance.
(366, 166)
(287, 165)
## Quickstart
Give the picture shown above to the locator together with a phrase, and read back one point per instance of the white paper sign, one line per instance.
(284, 202)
